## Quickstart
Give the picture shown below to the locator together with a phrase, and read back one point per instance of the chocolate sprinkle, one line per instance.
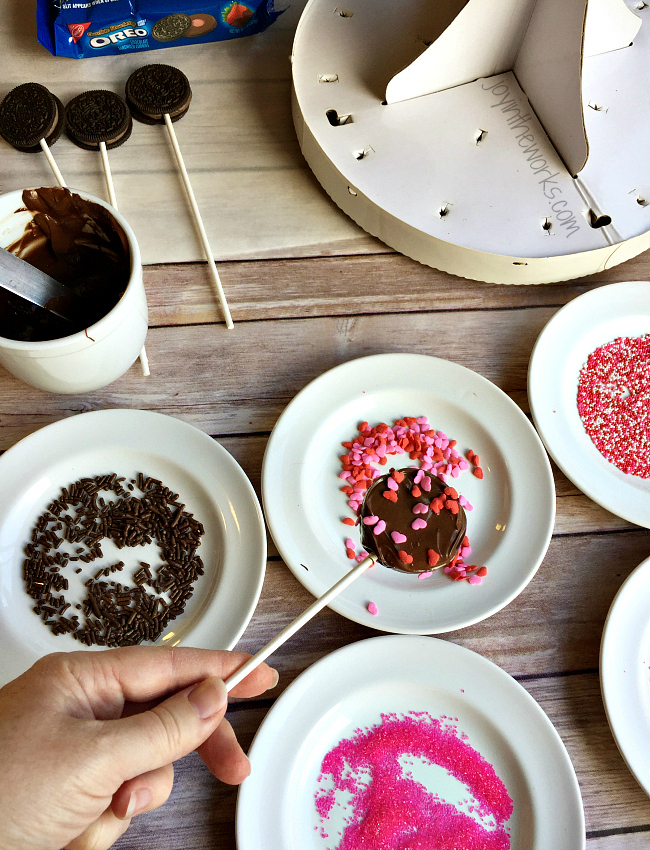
(114, 614)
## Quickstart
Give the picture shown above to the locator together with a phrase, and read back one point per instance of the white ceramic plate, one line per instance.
(514, 505)
(211, 484)
(593, 319)
(625, 671)
(350, 688)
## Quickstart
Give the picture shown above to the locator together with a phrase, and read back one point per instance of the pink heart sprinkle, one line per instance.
(420, 508)
(372, 608)
(370, 520)
(392, 484)
(418, 523)
(425, 575)
(381, 526)
(398, 537)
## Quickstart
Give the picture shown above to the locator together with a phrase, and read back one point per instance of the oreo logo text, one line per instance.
(115, 37)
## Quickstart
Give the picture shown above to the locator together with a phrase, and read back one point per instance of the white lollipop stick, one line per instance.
(112, 200)
(55, 168)
(199, 222)
(236, 677)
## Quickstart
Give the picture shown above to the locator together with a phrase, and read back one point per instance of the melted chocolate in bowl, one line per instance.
(78, 243)
(444, 530)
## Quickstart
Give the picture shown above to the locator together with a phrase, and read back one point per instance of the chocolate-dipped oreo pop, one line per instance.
(156, 90)
(412, 527)
(29, 113)
(161, 94)
(98, 116)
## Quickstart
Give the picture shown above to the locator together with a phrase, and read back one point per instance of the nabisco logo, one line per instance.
(77, 30)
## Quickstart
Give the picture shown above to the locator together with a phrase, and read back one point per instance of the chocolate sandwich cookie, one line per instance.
(423, 528)
(28, 114)
(98, 116)
(155, 90)
(172, 27)
(201, 24)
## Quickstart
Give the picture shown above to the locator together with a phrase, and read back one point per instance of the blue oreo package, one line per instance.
(83, 28)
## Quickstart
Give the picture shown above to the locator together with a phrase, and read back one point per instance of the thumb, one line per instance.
(171, 730)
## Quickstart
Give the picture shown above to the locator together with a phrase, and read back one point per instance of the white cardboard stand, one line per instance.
(500, 140)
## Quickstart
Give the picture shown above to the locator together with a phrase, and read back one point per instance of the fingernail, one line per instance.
(276, 677)
(208, 697)
(138, 802)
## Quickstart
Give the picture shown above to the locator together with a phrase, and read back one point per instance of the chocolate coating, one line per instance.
(155, 90)
(444, 532)
(172, 27)
(78, 243)
(201, 24)
(29, 113)
(98, 116)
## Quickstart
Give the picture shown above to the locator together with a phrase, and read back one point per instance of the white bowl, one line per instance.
(91, 358)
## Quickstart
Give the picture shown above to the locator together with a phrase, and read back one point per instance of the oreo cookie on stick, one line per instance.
(28, 114)
(160, 94)
(98, 116)
(154, 91)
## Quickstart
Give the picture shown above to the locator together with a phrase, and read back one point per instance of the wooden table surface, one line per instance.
(304, 301)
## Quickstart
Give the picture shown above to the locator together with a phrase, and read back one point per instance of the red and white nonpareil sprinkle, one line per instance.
(614, 403)
(433, 451)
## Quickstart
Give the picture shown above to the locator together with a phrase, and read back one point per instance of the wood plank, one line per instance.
(238, 382)
(610, 794)
(627, 841)
(611, 797)
(246, 398)
(381, 283)
(554, 625)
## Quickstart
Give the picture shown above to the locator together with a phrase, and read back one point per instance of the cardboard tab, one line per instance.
(549, 70)
(610, 26)
(482, 40)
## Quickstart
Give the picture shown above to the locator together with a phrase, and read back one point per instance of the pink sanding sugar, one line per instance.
(614, 403)
(390, 810)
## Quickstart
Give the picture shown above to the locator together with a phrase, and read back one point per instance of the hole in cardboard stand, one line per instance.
(362, 153)
(344, 13)
(596, 220)
(547, 224)
(352, 191)
(444, 210)
(337, 120)
(328, 78)
(480, 135)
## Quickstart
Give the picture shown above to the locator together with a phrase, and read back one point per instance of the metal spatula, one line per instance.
(35, 286)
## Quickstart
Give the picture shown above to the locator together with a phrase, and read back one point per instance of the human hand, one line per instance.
(88, 739)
